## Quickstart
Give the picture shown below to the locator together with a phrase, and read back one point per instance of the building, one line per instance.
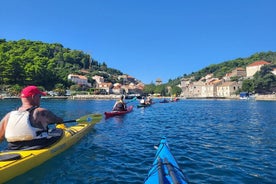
(79, 79)
(238, 72)
(98, 79)
(158, 82)
(228, 89)
(254, 67)
(274, 71)
(107, 86)
(209, 89)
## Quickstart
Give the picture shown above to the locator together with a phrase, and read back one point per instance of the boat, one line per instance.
(118, 113)
(16, 162)
(165, 169)
(164, 101)
(143, 105)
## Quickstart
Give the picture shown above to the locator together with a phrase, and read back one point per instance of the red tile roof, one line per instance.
(258, 63)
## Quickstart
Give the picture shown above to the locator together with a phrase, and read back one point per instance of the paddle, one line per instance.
(84, 119)
(133, 99)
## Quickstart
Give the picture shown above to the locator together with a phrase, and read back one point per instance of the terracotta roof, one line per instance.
(258, 63)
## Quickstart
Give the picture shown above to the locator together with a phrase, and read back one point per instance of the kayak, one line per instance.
(164, 101)
(16, 162)
(165, 169)
(117, 113)
(143, 105)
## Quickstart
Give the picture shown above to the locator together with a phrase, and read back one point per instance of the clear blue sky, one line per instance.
(147, 39)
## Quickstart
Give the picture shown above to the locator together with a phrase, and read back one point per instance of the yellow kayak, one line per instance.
(16, 162)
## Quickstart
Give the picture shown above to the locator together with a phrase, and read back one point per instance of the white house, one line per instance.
(79, 79)
(254, 67)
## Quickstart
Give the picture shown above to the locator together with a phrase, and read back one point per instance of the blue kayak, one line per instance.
(165, 169)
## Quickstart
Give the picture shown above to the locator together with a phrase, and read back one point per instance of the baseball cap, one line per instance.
(31, 91)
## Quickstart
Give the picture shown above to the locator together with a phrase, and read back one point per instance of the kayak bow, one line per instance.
(16, 162)
(165, 169)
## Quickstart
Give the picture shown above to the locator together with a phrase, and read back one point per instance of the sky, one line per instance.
(147, 39)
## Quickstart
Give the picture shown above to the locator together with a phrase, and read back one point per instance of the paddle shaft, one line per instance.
(69, 121)
(87, 118)
(133, 99)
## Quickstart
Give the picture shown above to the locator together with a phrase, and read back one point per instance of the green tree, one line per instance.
(175, 90)
(149, 89)
(60, 89)
(248, 85)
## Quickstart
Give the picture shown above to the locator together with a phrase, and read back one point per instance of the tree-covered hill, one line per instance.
(27, 62)
(219, 70)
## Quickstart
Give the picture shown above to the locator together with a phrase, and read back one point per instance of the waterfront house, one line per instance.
(107, 86)
(228, 89)
(209, 89)
(79, 79)
(117, 89)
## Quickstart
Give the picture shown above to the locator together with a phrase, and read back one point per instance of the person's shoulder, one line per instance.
(41, 109)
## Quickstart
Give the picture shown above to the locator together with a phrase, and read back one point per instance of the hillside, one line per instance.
(219, 70)
(27, 62)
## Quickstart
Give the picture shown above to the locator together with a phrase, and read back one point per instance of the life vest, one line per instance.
(19, 127)
(120, 106)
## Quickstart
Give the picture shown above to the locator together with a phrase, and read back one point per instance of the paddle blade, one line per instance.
(90, 118)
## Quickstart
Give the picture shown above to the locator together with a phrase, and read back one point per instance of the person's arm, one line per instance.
(3, 124)
(45, 117)
(114, 106)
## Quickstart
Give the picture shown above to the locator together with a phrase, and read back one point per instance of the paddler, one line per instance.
(120, 105)
(28, 125)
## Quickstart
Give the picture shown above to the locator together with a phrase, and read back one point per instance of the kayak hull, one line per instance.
(33, 158)
(118, 113)
(165, 168)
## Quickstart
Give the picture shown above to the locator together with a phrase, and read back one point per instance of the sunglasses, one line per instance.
(39, 95)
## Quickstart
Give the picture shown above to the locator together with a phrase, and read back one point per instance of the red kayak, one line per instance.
(117, 113)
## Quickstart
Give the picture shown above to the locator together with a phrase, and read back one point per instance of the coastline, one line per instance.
(271, 97)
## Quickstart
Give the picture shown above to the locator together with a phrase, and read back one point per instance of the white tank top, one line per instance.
(19, 128)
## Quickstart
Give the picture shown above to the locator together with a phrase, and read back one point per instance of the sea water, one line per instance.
(213, 141)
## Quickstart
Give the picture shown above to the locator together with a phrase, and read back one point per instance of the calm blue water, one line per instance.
(214, 141)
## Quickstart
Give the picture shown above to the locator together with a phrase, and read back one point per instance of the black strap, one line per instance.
(31, 108)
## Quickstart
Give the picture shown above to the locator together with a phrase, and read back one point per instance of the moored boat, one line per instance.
(16, 162)
(117, 113)
(165, 169)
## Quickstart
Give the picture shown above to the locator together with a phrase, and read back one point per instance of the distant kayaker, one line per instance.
(148, 100)
(120, 105)
(142, 101)
(28, 125)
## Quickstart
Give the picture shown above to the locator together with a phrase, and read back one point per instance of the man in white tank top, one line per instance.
(28, 125)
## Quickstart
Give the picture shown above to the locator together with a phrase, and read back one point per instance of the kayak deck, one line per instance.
(165, 169)
(25, 160)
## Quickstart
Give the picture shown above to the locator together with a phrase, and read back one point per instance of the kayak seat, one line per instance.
(54, 136)
(10, 157)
